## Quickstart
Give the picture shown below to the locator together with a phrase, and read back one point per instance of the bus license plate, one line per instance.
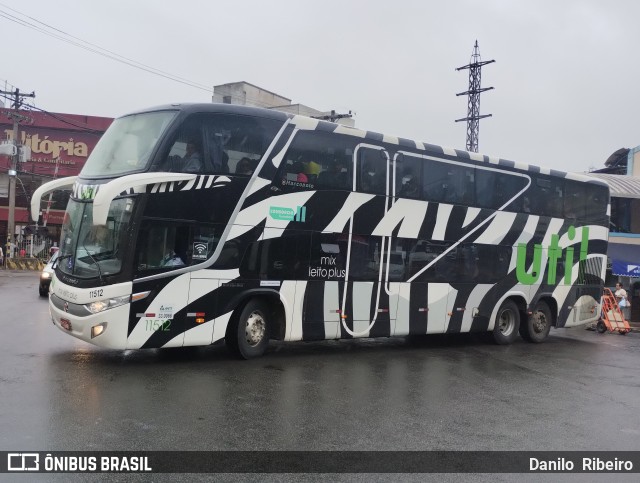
(65, 324)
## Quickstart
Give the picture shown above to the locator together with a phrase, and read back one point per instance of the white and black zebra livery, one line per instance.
(402, 307)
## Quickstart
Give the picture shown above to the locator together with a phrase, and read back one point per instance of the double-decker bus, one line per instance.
(190, 224)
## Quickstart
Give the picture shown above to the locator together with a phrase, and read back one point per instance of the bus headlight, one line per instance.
(96, 307)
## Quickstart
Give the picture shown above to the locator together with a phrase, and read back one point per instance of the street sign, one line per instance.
(625, 269)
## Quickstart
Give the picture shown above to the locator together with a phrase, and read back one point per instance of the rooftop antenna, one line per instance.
(473, 111)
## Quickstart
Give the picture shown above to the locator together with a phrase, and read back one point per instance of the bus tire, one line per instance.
(538, 324)
(507, 323)
(248, 336)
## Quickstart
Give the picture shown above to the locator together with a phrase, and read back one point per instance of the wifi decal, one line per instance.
(200, 250)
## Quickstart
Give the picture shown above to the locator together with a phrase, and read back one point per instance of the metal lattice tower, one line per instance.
(473, 112)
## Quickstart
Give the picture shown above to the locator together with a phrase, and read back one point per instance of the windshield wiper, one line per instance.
(94, 261)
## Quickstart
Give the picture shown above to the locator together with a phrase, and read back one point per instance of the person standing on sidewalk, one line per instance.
(623, 301)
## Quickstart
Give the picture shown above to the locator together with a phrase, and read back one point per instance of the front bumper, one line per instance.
(115, 322)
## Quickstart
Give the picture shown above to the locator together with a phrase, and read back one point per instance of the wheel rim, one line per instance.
(254, 329)
(539, 322)
(507, 322)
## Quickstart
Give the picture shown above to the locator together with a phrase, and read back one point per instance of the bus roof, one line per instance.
(191, 108)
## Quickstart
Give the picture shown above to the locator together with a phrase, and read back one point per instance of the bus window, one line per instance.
(158, 249)
(127, 145)
(216, 143)
(316, 160)
(449, 183)
(486, 189)
(424, 252)
(546, 197)
(436, 181)
(186, 155)
(575, 200)
(293, 176)
(492, 263)
(164, 245)
(409, 177)
(372, 172)
(596, 204)
(336, 174)
(284, 257)
(494, 189)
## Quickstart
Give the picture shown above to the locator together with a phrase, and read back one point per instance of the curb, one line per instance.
(33, 264)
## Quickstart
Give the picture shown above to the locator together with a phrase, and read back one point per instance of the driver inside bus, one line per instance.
(161, 249)
(171, 259)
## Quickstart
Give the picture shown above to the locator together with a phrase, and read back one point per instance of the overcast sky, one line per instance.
(566, 76)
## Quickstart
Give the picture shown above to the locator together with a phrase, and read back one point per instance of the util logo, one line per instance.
(555, 253)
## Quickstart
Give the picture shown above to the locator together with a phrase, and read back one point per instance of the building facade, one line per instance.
(246, 94)
(622, 173)
(59, 145)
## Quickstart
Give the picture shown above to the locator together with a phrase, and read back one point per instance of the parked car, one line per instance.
(46, 275)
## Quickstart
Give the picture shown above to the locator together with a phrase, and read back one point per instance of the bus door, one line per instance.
(368, 306)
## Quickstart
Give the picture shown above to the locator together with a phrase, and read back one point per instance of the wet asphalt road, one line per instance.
(578, 391)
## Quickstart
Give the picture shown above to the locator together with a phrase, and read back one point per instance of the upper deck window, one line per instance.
(127, 145)
(218, 143)
(317, 160)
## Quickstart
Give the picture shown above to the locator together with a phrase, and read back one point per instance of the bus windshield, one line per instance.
(88, 251)
(127, 145)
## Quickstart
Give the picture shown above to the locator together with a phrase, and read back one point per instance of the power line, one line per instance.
(83, 44)
(70, 123)
(58, 117)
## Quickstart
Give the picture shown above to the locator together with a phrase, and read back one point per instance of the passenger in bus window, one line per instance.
(372, 179)
(297, 168)
(191, 162)
(312, 170)
(336, 177)
(244, 166)
(410, 187)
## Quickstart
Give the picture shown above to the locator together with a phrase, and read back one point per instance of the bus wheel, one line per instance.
(507, 323)
(248, 336)
(536, 328)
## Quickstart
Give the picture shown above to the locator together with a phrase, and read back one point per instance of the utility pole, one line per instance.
(333, 116)
(17, 118)
(473, 111)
